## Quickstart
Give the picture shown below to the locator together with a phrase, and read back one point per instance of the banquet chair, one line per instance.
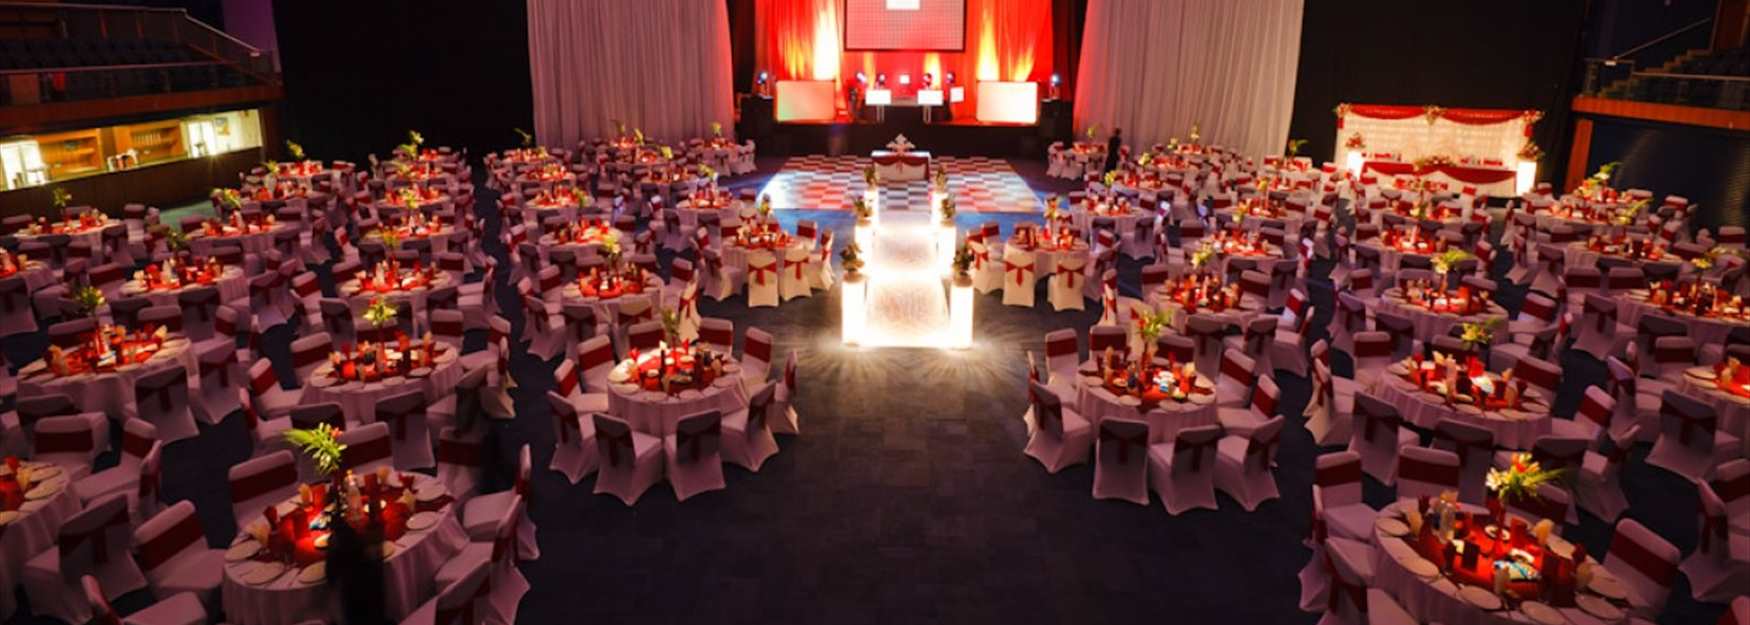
(309, 353)
(481, 514)
(267, 397)
(719, 280)
(1348, 319)
(1426, 472)
(161, 398)
(1377, 436)
(784, 419)
(1065, 284)
(630, 461)
(481, 585)
(95, 542)
(1207, 331)
(1242, 420)
(236, 327)
(1598, 482)
(693, 453)
(1061, 437)
(171, 550)
(1665, 364)
(1018, 291)
(367, 447)
(1340, 520)
(1690, 441)
(1182, 471)
(1121, 460)
(177, 609)
(1061, 356)
(645, 336)
(820, 272)
(544, 329)
(1243, 461)
(1235, 381)
(139, 440)
(747, 435)
(1645, 563)
(1715, 573)
(1475, 447)
(1330, 412)
(756, 358)
(1542, 377)
(1104, 338)
(1351, 600)
(410, 443)
(447, 328)
(214, 393)
(793, 278)
(31, 410)
(269, 298)
(574, 447)
(1257, 339)
(1592, 421)
(1254, 290)
(261, 482)
(762, 278)
(460, 458)
(462, 408)
(1139, 242)
(987, 275)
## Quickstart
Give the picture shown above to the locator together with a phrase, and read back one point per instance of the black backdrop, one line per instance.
(359, 75)
(1476, 54)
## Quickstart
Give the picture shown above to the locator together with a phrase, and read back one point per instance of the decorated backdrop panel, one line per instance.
(1494, 136)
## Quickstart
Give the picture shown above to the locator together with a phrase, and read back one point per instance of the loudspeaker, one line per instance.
(1055, 120)
(757, 120)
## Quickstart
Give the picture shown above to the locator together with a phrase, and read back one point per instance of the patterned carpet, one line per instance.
(981, 185)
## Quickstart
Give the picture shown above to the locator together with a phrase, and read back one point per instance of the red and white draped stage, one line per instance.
(1456, 146)
(1006, 40)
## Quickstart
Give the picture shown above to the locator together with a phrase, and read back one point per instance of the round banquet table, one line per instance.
(1126, 222)
(604, 307)
(547, 244)
(689, 214)
(110, 392)
(440, 239)
(442, 200)
(1513, 428)
(1733, 408)
(231, 284)
(1045, 259)
(1703, 330)
(358, 400)
(203, 244)
(362, 300)
(92, 236)
(409, 572)
(37, 275)
(1545, 221)
(1390, 256)
(1437, 598)
(1252, 222)
(1265, 260)
(32, 528)
(537, 212)
(656, 412)
(1432, 324)
(735, 255)
(1579, 255)
(1239, 315)
(1095, 403)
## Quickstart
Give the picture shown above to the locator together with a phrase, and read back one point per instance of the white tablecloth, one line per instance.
(1096, 404)
(1734, 410)
(32, 532)
(1045, 260)
(1513, 429)
(1630, 306)
(110, 393)
(253, 243)
(408, 575)
(358, 400)
(655, 412)
(231, 283)
(361, 301)
(898, 170)
(607, 309)
(1431, 324)
(37, 275)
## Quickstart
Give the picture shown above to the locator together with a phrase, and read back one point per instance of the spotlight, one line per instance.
(881, 79)
(1055, 80)
(950, 78)
(905, 79)
(764, 77)
(928, 79)
(862, 78)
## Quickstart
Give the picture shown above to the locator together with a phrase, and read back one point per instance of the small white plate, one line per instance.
(1479, 597)
(1701, 373)
(243, 550)
(1606, 586)
(1392, 527)
(7, 517)
(46, 490)
(422, 521)
(1560, 546)
(419, 372)
(1599, 607)
(428, 492)
(44, 473)
(313, 574)
(1542, 614)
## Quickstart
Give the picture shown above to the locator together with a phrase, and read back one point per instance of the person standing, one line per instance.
(1113, 145)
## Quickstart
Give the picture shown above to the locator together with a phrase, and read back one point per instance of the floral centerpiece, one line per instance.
(941, 180)
(851, 258)
(227, 198)
(948, 209)
(717, 129)
(860, 208)
(524, 137)
(1149, 326)
(60, 197)
(1093, 132)
(1294, 146)
(871, 177)
(1479, 334)
(1201, 257)
(297, 151)
(1530, 151)
(89, 299)
(963, 261)
(1445, 261)
(1355, 142)
(1519, 481)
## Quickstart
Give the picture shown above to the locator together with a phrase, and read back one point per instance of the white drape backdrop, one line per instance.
(662, 66)
(1155, 67)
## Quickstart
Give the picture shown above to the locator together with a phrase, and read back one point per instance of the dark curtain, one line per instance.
(741, 43)
(1508, 54)
(1069, 18)
(359, 75)
(1710, 166)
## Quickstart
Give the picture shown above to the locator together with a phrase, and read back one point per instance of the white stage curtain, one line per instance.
(661, 66)
(1155, 67)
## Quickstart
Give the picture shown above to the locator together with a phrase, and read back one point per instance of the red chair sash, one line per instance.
(98, 536)
(1124, 443)
(1264, 402)
(358, 454)
(165, 546)
(1020, 271)
(264, 381)
(691, 444)
(79, 442)
(1414, 469)
(760, 271)
(249, 487)
(1196, 450)
(1338, 474)
(458, 452)
(1689, 425)
(1638, 557)
(136, 446)
(758, 349)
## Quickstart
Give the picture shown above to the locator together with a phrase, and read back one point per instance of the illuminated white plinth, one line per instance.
(904, 300)
(1525, 177)
(854, 313)
(872, 197)
(947, 237)
(959, 315)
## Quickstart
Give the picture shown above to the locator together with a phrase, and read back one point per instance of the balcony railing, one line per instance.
(69, 84)
(26, 20)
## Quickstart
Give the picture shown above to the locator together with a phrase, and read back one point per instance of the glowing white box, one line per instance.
(806, 100)
(1008, 102)
(957, 94)
(929, 97)
(878, 97)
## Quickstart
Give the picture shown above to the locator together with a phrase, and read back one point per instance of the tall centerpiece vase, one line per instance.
(853, 293)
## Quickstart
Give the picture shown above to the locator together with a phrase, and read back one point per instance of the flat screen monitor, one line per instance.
(905, 25)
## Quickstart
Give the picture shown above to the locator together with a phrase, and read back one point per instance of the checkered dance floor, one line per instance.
(980, 185)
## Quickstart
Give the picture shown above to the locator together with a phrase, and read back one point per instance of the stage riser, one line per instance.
(941, 139)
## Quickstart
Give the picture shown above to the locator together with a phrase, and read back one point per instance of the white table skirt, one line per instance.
(92, 236)
(1734, 411)
(1391, 258)
(655, 412)
(1438, 600)
(690, 216)
(358, 400)
(735, 256)
(38, 276)
(1099, 406)
(362, 301)
(109, 393)
(231, 283)
(35, 529)
(1126, 223)
(607, 310)
(1632, 305)
(1430, 324)
(1515, 430)
(899, 171)
(1045, 261)
(408, 579)
(253, 243)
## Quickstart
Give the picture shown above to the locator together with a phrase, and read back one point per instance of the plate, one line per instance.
(617, 374)
(46, 490)
(1597, 606)
(313, 574)
(1561, 547)
(1701, 373)
(1202, 399)
(1606, 586)
(1704, 384)
(1422, 568)
(428, 492)
(242, 551)
(1482, 599)
(8, 517)
(419, 372)
(263, 573)
(422, 521)
(1543, 614)
(321, 381)
(44, 473)
(1392, 527)
(32, 505)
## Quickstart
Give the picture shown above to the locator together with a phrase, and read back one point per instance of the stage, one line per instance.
(960, 136)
